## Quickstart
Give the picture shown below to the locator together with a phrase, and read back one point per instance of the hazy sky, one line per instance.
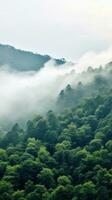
(61, 28)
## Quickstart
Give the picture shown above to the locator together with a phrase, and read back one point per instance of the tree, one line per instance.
(3, 166)
(86, 191)
(95, 145)
(46, 178)
(18, 195)
(28, 170)
(62, 193)
(3, 155)
(6, 190)
(64, 180)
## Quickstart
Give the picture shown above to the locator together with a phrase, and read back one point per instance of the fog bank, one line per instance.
(23, 94)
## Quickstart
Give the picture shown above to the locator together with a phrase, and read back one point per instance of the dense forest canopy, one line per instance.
(67, 153)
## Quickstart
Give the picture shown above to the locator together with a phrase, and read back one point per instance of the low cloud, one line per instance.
(94, 59)
(24, 94)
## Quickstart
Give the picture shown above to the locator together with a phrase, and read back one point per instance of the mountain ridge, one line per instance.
(22, 60)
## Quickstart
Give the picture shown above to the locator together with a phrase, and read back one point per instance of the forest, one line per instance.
(65, 154)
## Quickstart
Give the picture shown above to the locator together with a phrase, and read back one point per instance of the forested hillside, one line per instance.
(64, 155)
(89, 83)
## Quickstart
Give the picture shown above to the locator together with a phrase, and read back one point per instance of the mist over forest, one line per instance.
(24, 93)
(55, 127)
(56, 100)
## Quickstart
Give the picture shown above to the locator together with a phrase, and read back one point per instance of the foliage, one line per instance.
(62, 156)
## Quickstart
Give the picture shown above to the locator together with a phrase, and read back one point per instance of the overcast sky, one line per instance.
(60, 28)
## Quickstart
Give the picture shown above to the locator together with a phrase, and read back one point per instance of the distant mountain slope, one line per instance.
(23, 60)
